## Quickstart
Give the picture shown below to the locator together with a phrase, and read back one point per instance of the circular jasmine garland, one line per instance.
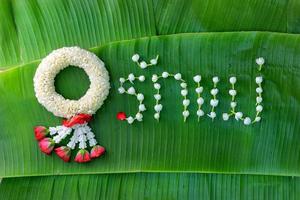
(76, 112)
(57, 61)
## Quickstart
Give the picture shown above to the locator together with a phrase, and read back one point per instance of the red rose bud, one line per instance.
(77, 119)
(82, 156)
(40, 132)
(97, 151)
(46, 145)
(63, 152)
(121, 116)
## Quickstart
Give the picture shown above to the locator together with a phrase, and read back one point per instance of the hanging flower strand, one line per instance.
(200, 100)
(131, 91)
(158, 107)
(76, 113)
(232, 92)
(142, 64)
(214, 101)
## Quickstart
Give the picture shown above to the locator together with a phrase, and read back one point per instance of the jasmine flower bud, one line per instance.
(157, 86)
(247, 121)
(131, 77)
(135, 57)
(215, 79)
(177, 76)
(233, 104)
(259, 108)
(214, 102)
(259, 99)
(259, 90)
(212, 115)
(122, 80)
(131, 90)
(199, 90)
(232, 92)
(232, 80)
(200, 100)
(140, 97)
(186, 113)
(143, 65)
(121, 90)
(260, 61)
(200, 113)
(257, 119)
(157, 97)
(142, 107)
(238, 115)
(183, 85)
(197, 78)
(184, 92)
(156, 115)
(139, 116)
(214, 91)
(225, 116)
(186, 102)
(259, 79)
(130, 120)
(153, 61)
(142, 78)
(154, 78)
(165, 74)
(158, 107)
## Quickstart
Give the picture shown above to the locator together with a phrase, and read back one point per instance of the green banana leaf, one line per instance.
(33, 28)
(152, 186)
(270, 147)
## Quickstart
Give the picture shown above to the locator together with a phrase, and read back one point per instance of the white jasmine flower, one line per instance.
(259, 79)
(200, 113)
(122, 80)
(259, 99)
(177, 76)
(257, 119)
(214, 102)
(186, 102)
(199, 90)
(197, 78)
(131, 77)
(135, 58)
(154, 78)
(158, 107)
(131, 90)
(225, 116)
(212, 115)
(139, 117)
(200, 100)
(260, 61)
(142, 107)
(186, 113)
(259, 90)
(232, 80)
(233, 104)
(156, 115)
(184, 92)
(140, 97)
(232, 92)
(121, 90)
(238, 115)
(165, 75)
(143, 65)
(183, 85)
(259, 108)
(142, 78)
(130, 120)
(214, 91)
(215, 79)
(247, 121)
(157, 97)
(153, 61)
(157, 86)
